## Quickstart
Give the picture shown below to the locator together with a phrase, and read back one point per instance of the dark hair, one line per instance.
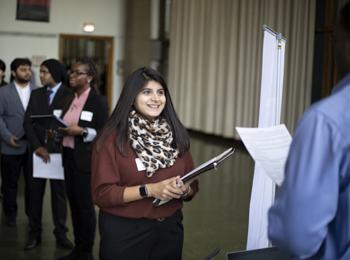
(345, 17)
(119, 118)
(18, 62)
(92, 71)
(2, 65)
(56, 70)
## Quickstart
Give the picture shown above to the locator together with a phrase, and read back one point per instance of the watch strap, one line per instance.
(143, 191)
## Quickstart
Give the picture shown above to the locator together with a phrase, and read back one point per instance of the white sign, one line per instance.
(263, 190)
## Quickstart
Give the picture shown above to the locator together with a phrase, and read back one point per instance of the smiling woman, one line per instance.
(150, 102)
(141, 154)
(85, 116)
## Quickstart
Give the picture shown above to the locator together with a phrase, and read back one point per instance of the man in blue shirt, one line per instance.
(311, 214)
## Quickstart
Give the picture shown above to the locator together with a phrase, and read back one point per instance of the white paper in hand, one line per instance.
(51, 170)
(269, 147)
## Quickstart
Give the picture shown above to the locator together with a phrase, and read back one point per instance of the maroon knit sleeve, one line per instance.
(189, 165)
(105, 176)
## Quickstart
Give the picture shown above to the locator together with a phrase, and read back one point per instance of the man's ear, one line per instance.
(13, 73)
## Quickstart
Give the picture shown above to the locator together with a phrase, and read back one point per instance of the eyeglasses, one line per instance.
(77, 73)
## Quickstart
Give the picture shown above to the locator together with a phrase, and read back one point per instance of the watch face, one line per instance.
(143, 191)
(85, 133)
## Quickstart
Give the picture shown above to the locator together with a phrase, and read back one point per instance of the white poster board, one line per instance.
(263, 190)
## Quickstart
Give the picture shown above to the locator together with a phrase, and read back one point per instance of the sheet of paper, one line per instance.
(51, 170)
(269, 147)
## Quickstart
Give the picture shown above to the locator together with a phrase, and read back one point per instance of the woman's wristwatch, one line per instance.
(85, 132)
(143, 191)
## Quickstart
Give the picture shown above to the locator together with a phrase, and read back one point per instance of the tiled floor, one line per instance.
(216, 218)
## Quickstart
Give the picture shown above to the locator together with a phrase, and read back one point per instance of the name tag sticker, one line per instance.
(57, 112)
(86, 116)
(139, 165)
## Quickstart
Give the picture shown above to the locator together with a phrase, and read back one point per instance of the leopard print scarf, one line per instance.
(151, 141)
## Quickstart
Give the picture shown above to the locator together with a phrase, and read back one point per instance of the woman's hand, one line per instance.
(186, 188)
(171, 188)
(73, 130)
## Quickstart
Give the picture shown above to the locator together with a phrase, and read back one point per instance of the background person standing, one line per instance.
(50, 99)
(14, 100)
(85, 116)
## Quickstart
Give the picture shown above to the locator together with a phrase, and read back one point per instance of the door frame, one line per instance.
(110, 49)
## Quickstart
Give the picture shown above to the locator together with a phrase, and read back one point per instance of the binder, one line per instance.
(48, 121)
(204, 167)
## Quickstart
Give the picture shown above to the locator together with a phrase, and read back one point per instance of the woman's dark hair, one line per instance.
(92, 71)
(119, 118)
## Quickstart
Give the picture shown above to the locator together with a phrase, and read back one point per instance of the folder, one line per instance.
(268, 253)
(204, 167)
(48, 121)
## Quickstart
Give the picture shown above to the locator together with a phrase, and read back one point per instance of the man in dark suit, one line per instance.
(13, 103)
(47, 100)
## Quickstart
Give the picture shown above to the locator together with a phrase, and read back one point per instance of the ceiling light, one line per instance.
(88, 27)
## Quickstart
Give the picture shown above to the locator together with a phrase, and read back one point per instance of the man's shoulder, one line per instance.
(6, 87)
(335, 104)
(333, 110)
(5, 90)
(38, 90)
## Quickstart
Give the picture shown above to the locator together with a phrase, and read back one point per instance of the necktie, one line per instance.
(49, 92)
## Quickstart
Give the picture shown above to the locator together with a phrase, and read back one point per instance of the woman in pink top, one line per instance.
(140, 155)
(85, 116)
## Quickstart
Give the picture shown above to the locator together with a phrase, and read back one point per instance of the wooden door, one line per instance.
(98, 48)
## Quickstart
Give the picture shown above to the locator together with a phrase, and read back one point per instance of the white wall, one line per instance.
(26, 38)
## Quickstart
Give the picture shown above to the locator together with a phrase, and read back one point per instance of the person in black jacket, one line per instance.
(49, 99)
(85, 116)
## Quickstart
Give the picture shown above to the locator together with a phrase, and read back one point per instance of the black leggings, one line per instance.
(142, 239)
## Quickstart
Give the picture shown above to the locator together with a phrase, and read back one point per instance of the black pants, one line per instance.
(142, 239)
(78, 189)
(58, 206)
(11, 168)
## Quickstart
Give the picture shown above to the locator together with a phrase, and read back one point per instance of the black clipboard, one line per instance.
(204, 167)
(48, 121)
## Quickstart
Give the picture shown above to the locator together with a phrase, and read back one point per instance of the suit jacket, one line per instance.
(97, 105)
(11, 120)
(39, 105)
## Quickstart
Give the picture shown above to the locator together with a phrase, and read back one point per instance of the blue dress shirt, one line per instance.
(311, 214)
(54, 91)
